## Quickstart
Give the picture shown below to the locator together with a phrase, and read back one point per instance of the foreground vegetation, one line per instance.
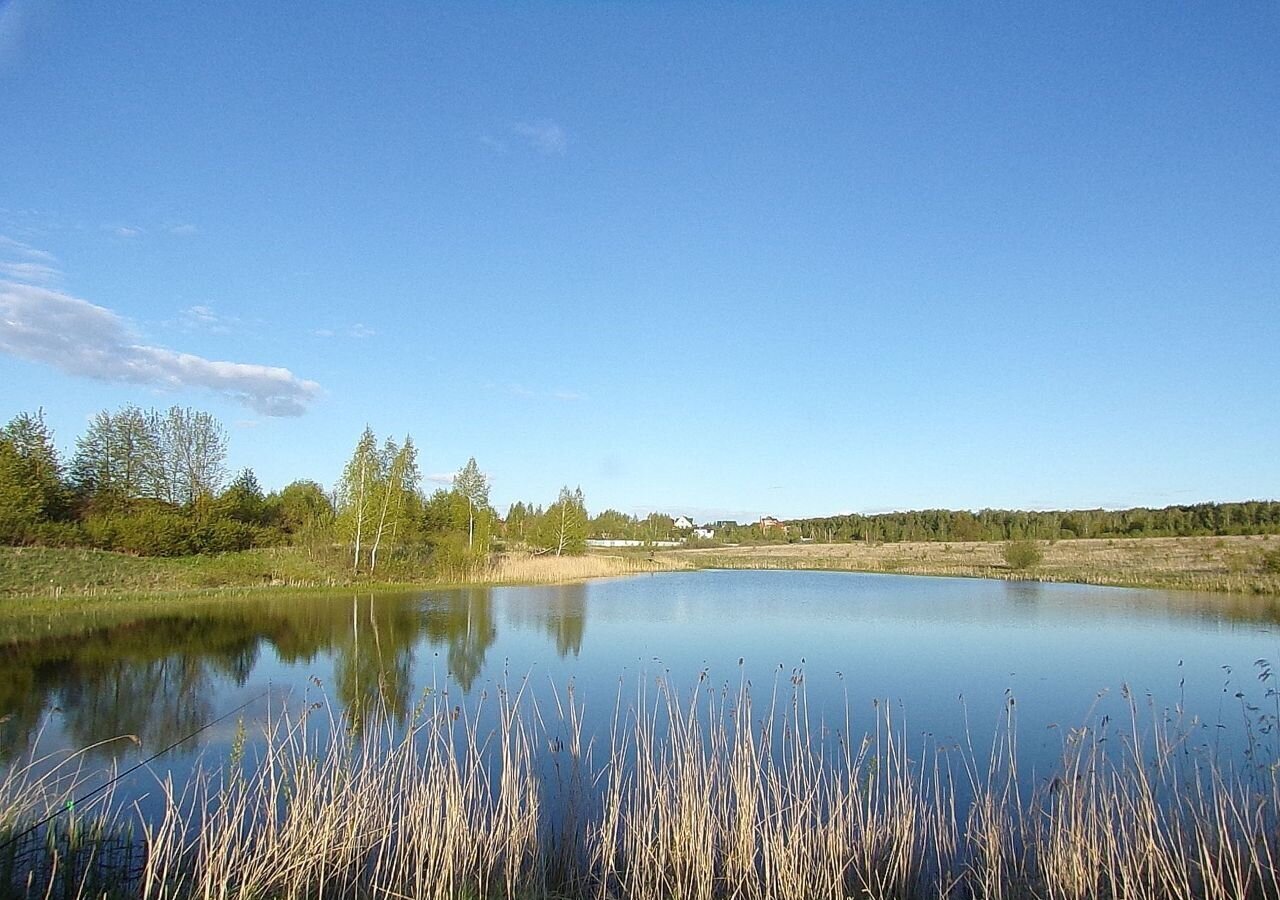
(1246, 565)
(698, 794)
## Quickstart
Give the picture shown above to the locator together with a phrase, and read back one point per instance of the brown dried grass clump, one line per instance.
(696, 794)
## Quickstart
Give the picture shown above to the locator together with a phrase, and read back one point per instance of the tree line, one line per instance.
(154, 482)
(1249, 517)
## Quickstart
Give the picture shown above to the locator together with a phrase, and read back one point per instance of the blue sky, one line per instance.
(726, 259)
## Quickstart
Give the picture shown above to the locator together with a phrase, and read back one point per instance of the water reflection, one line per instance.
(160, 676)
(463, 621)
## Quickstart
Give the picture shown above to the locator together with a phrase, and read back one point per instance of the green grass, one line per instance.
(44, 572)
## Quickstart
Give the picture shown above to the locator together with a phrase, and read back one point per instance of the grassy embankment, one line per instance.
(1220, 564)
(693, 795)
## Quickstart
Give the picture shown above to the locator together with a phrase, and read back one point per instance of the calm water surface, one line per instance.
(941, 651)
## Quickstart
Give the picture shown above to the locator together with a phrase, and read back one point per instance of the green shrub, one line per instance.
(1271, 561)
(1023, 554)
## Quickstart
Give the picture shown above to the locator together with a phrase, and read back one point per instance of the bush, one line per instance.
(1271, 561)
(1022, 554)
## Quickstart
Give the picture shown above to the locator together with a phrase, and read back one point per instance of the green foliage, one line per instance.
(458, 534)
(377, 498)
(120, 455)
(32, 495)
(563, 527)
(1271, 561)
(243, 501)
(1023, 554)
(1249, 517)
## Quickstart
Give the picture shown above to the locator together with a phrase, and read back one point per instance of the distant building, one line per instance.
(705, 532)
(684, 523)
(769, 523)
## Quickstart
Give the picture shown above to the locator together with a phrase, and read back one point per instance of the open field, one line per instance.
(1223, 564)
(696, 794)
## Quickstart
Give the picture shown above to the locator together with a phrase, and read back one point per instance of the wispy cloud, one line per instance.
(543, 135)
(77, 337)
(440, 477)
(31, 272)
(19, 250)
(124, 232)
(205, 318)
(22, 262)
(358, 331)
(183, 230)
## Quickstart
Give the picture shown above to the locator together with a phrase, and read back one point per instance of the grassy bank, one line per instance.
(1220, 564)
(692, 795)
(38, 572)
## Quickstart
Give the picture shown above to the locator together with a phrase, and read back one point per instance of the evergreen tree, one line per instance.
(32, 440)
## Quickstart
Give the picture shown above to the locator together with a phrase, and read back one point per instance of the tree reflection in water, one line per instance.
(160, 677)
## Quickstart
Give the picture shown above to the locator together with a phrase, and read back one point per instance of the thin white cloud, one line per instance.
(24, 263)
(545, 136)
(47, 326)
(30, 272)
(19, 250)
(205, 318)
(497, 146)
(126, 231)
(527, 393)
(358, 331)
(183, 230)
(441, 477)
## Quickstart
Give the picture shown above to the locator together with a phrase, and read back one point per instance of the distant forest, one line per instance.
(1248, 517)
(153, 483)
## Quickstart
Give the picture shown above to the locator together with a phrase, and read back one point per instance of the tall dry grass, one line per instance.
(527, 568)
(699, 794)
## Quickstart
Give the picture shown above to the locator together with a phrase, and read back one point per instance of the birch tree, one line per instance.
(119, 455)
(473, 484)
(193, 446)
(564, 524)
(355, 494)
(393, 492)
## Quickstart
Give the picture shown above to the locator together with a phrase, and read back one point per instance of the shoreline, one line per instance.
(35, 580)
(1234, 565)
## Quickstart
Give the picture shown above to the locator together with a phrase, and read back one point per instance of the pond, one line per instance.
(946, 653)
(713, 734)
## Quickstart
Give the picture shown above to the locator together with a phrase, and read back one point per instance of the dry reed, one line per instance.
(696, 794)
(526, 568)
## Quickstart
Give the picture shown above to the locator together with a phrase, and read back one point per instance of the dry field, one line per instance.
(1230, 564)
